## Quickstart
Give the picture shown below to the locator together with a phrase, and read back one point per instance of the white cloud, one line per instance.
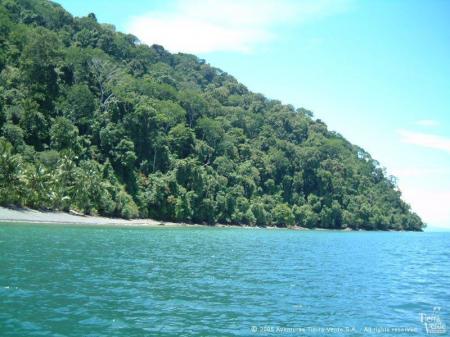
(427, 122)
(197, 26)
(425, 140)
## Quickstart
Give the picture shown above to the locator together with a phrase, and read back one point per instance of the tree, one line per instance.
(181, 140)
(64, 135)
(260, 214)
(210, 130)
(34, 123)
(12, 178)
(39, 62)
(123, 158)
(81, 106)
(14, 135)
(282, 215)
(194, 104)
(105, 74)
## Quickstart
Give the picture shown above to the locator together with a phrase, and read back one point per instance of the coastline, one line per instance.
(19, 215)
(25, 215)
(28, 215)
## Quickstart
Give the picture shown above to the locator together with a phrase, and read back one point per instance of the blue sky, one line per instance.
(377, 72)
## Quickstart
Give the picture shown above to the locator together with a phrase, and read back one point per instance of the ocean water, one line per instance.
(98, 281)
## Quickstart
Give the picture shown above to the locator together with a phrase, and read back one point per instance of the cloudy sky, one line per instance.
(378, 72)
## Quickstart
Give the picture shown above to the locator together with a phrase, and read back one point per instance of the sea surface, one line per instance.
(60, 280)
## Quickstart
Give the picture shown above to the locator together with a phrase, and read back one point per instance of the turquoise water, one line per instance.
(92, 281)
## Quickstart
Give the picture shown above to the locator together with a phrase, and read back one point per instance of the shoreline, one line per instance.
(19, 215)
(28, 215)
(24, 215)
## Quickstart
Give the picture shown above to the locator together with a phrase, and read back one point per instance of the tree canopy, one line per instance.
(93, 120)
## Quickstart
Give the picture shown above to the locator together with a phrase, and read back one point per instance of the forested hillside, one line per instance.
(92, 120)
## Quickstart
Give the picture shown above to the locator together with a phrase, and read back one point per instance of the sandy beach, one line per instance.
(27, 215)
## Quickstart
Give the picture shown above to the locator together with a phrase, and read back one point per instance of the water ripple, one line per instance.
(80, 281)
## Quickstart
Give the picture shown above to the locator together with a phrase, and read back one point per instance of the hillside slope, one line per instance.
(93, 120)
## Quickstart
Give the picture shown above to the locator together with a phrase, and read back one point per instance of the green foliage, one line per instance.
(64, 135)
(14, 134)
(181, 140)
(92, 120)
(80, 106)
(12, 177)
(283, 216)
